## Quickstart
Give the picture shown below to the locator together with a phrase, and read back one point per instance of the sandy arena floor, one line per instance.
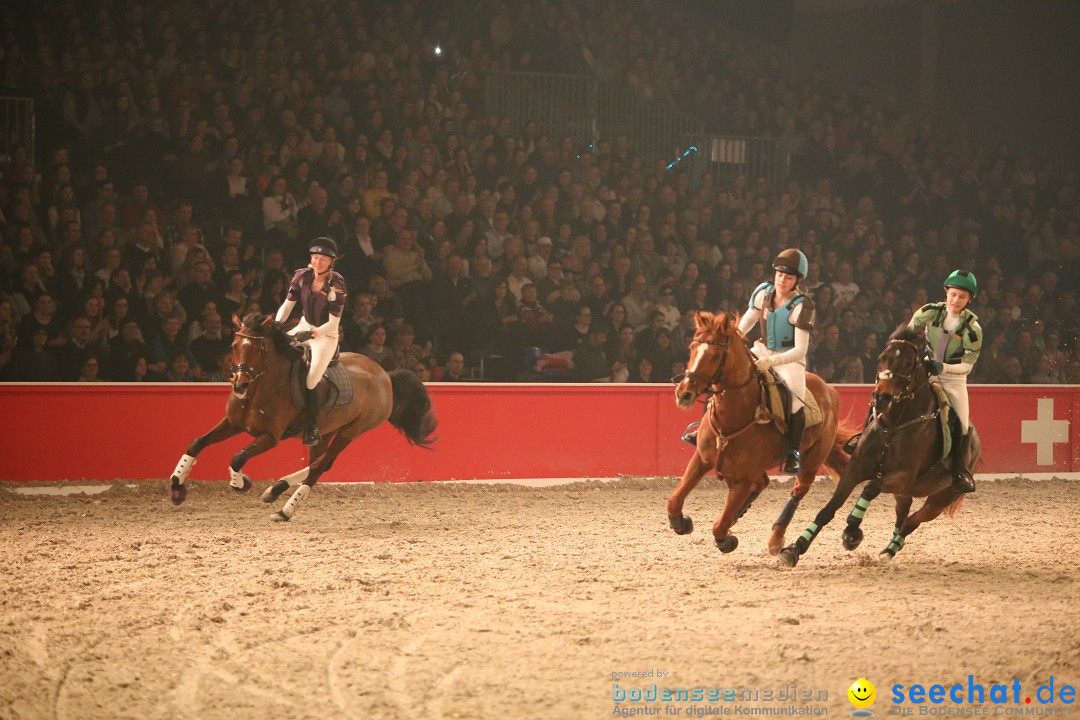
(452, 601)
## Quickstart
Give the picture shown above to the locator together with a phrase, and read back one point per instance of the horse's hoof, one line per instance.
(727, 544)
(852, 537)
(774, 550)
(885, 557)
(789, 556)
(682, 525)
(243, 489)
(273, 492)
(279, 517)
(177, 492)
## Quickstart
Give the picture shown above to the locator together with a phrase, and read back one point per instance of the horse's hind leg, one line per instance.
(853, 534)
(803, 481)
(272, 493)
(934, 506)
(755, 490)
(177, 488)
(695, 470)
(903, 507)
(318, 466)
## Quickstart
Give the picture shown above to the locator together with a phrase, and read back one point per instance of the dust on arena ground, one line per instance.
(503, 601)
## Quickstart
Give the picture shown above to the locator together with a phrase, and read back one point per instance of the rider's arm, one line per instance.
(329, 327)
(749, 320)
(802, 344)
(285, 311)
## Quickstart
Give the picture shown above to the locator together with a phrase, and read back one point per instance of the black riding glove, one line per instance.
(933, 366)
(303, 336)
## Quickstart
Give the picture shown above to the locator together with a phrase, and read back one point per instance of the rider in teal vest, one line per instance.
(786, 316)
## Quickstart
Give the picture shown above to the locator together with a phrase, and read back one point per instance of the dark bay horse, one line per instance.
(261, 405)
(738, 438)
(899, 452)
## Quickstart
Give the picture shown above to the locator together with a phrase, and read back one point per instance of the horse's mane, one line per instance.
(722, 323)
(253, 323)
(909, 334)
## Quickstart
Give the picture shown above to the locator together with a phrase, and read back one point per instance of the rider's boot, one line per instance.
(962, 480)
(793, 461)
(311, 417)
(690, 433)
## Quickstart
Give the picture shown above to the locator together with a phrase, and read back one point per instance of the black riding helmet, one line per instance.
(324, 246)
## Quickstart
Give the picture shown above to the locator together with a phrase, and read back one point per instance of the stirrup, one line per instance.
(792, 463)
(963, 482)
(852, 443)
(690, 433)
(312, 436)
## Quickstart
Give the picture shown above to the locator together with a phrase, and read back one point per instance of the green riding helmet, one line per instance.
(962, 279)
(792, 261)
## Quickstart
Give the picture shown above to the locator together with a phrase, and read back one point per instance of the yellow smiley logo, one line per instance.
(862, 693)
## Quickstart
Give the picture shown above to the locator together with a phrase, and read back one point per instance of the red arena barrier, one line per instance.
(138, 432)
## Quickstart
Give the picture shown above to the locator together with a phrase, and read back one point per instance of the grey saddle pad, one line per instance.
(336, 375)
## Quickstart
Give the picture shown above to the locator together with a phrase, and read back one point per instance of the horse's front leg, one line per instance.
(853, 534)
(177, 487)
(803, 481)
(852, 477)
(238, 481)
(738, 498)
(695, 470)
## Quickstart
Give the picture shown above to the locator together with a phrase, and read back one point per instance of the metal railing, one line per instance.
(586, 109)
(725, 156)
(16, 125)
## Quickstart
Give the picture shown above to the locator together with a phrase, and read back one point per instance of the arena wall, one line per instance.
(136, 432)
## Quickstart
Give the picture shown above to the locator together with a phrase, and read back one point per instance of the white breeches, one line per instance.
(956, 388)
(793, 374)
(323, 348)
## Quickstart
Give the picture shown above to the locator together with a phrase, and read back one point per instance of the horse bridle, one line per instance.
(709, 382)
(908, 390)
(244, 368)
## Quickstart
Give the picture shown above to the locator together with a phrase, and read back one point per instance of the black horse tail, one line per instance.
(412, 413)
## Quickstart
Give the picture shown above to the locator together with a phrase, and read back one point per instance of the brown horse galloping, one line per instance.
(261, 405)
(738, 439)
(900, 452)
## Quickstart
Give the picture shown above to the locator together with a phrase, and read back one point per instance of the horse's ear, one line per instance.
(268, 322)
(703, 319)
(236, 322)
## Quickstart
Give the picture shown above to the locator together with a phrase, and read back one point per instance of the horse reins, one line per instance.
(761, 415)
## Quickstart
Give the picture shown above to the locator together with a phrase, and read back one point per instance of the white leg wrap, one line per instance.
(290, 507)
(297, 477)
(236, 479)
(183, 468)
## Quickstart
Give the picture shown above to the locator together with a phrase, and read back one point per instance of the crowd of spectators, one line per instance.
(190, 152)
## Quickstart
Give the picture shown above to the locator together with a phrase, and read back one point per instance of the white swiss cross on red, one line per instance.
(1044, 432)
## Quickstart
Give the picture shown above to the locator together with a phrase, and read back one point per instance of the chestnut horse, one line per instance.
(900, 452)
(261, 405)
(737, 436)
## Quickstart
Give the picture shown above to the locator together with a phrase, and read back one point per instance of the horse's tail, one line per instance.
(412, 413)
(837, 460)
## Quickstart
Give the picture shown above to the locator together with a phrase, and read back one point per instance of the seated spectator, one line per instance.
(89, 370)
(34, 359)
(375, 347)
(590, 359)
(642, 372)
(455, 368)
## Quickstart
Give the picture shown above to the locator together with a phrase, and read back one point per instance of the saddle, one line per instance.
(776, 397)
(946, 417)
(335, 388)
